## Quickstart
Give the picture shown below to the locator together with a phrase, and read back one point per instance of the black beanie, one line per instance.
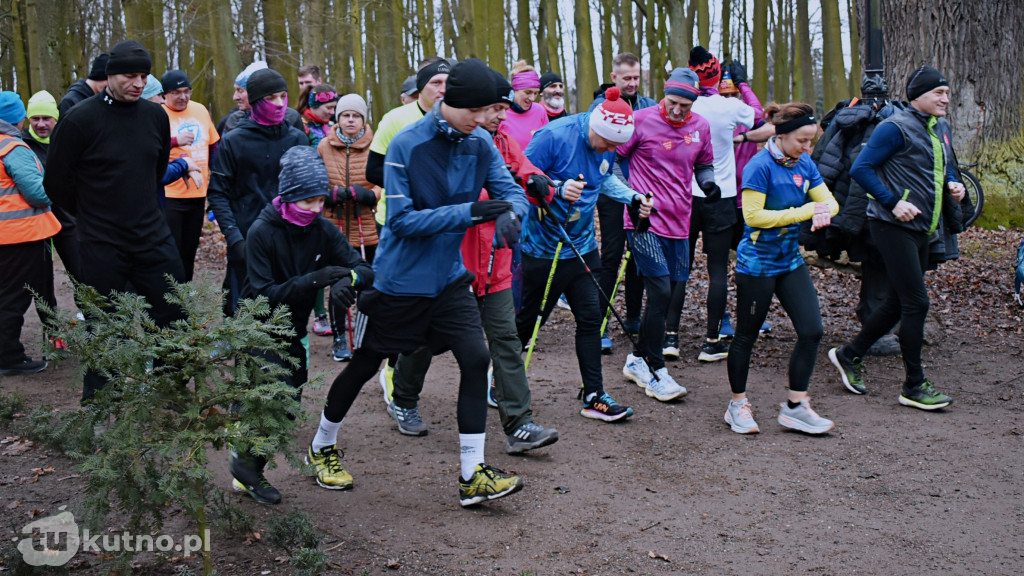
(99, 67)
(128, 57)
(503, 89)
(470, 85)
(303, 174)
(923, 80)
(429, 71)
(549, 78)
(263, 83)
(173, 80)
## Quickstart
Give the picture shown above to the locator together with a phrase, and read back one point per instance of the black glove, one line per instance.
(487, 210)
(329, 275)
(506, 230)
(639, 224)
(515, 174)
(712, 193)
(538, 186)
(364, 196)
(236, 253)
(738, 72)
(343, 294)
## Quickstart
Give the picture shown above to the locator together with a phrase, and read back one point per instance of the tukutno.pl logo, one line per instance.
(54, 541)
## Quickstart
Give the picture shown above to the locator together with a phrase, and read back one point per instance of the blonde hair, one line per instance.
(520, 67)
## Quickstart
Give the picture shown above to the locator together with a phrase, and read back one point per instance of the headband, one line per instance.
(799, 122)
(526, 80)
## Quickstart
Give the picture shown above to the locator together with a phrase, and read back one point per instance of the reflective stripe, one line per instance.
(19, 221)
(7, 191)
(25, 213)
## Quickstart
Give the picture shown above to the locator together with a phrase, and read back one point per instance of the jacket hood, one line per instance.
(854, 116)
(361, 144)
(9, 129)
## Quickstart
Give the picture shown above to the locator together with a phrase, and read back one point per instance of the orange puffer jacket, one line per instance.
(346, 165)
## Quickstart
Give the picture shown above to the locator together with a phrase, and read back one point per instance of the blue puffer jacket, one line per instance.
(434, 175)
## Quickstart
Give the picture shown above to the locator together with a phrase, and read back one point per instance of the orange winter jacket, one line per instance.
(346, 165)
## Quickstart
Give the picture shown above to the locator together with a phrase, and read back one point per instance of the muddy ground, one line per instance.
(891, 490)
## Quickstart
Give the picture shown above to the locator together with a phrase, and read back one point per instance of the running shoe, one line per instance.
(25, 366)
(803, 418)
(726, 331)
(408, 420)
(740, 416)
(714, 351)
(852, 372)
(247, 476)
(387, 381)
(340, 349)
(487, 483)
(664, 388)
(563, 303)
(490, 387)
(636, 370)
(604, 407)
(606, 345)
(322, 326)
(325, 465)
(529, 436)
(924, 396)
(671, 348)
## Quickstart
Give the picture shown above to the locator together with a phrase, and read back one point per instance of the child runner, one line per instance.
(293, 253)
(578, 151)
(781, 189)
(670, 144)
(434, 171)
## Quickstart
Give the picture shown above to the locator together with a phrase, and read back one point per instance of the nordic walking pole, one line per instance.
(615, 289)
(544, 298)
(362, 252)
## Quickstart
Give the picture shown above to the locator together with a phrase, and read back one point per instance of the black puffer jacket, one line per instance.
(847, 129)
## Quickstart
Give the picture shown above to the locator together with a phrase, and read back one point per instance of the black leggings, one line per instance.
(905, 254)
(652, 329)
(716, 247)
(185, 218)
(613, 246)
(799, 299)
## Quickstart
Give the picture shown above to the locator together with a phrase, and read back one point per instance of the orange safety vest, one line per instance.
(20, 222)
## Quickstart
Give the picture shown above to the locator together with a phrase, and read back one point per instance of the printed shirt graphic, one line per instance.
(775, 251)
(194, 119)
(661, 160)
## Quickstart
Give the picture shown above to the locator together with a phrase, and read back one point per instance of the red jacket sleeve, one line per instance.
(515, 158)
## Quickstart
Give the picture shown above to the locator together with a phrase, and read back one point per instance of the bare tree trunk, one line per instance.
(607, 8)
(703, 24)
(855, 71)
(679, 37)
(627, 36)
(554, 36)
(448, 27)
(726, 29)
(586, 67)
(523, 33)
(355, 27)
(21, 70)
(781, 54)
(495, 56)
(833, 68)
(802, 64)
(759, 46)
(275, 34)
(247, 43)
(314, 43)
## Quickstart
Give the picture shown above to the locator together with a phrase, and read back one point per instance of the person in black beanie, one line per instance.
(243, 178)
(86, 87)
(552, 95)
(421, 292)
(105, 167)
(906, 170)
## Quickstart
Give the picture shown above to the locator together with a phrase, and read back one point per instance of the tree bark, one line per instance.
(523, 32)
(679, 33)
(802, 63)
(855, 68)
(275, 35)
(586, 67)
(833, 67)
(781, 53)
(726, 30)
(703, 24)
(759, 46)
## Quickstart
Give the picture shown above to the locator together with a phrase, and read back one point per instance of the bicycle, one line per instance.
(974, 192)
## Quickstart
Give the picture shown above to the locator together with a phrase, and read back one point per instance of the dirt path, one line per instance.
(673, 491)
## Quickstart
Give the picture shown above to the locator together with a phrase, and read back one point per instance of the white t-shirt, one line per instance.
(724, 115)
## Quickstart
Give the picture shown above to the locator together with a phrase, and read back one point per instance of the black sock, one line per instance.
(792, 404)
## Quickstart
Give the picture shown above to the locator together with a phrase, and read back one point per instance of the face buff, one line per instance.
(267, 114)
(292, 213)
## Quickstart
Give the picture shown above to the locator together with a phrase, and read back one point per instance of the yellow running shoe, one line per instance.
(387, 381)
(487, 483)
(326, 466)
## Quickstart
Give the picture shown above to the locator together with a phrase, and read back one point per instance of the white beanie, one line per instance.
(350, 103)
(613, 118)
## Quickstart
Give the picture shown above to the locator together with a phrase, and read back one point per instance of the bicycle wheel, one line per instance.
(974, 193)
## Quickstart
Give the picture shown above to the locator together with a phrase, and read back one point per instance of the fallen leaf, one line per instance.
(17, 447)
(654, 555)
(393, 564)
(14, 505)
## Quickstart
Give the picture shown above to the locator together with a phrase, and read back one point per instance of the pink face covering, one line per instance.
(291, 212)
(267, 114)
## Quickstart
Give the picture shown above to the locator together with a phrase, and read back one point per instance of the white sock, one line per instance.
(326, 434)
(471, 453)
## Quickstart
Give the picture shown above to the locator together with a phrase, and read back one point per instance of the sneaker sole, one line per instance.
(485, 497)
(738, 430)
(519, 448)
(598, 415)
(834, 359)
(927, 407)
(633, 378)
(705, 357)
(652, 394)
(327, 486)
(403, 430)
(343, 358)
(239, 487)
(20, 372)
(671, 353)
(801, 426)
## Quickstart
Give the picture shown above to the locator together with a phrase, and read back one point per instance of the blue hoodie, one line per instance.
(433, 175)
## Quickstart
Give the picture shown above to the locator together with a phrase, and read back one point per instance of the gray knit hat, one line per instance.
(303, 175)
(350, 103)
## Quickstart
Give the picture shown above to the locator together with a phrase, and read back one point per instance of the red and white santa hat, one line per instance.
(613, 118)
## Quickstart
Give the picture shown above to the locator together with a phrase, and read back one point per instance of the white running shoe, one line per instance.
(636, 370)
(740, 416)
(803, 418)
(664, 388)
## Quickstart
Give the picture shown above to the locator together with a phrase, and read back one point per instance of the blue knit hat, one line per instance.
(153, 87)
(303, 175)
(12, 109)
(683, 82)
(242, 79)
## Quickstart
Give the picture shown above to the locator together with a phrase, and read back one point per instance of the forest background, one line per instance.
(807, 50)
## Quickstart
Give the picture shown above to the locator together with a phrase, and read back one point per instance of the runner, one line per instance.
(781, 189)
(421, 295)
(669, 147)
(578, 151)
(910, 151)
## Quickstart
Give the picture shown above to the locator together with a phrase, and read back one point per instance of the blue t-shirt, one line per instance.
(775, 251)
